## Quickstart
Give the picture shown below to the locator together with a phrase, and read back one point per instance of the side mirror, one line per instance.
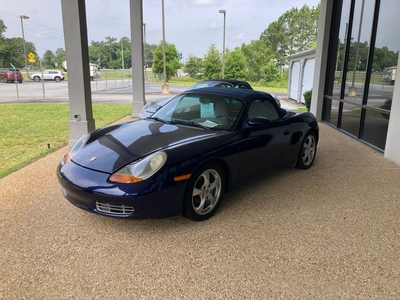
(259, 122)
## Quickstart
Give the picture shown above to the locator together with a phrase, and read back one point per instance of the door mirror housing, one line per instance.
(259, 122)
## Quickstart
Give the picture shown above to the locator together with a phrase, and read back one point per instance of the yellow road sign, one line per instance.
(31, 55)
(32, 60)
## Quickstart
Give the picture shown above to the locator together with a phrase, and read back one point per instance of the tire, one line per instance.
(307, 151)
(57, 79)
(204, 192)
(36, 78)
(20, 81)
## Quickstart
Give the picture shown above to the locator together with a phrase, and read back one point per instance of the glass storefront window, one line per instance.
(375, 128)
(386, 53)
(351, 118)
(367, 53)
(359, 48)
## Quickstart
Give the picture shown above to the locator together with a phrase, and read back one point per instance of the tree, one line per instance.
(257, 55)
(236, 66)
(171, 60)
(271, 72)
(295, 31)
(111, 47)
(149, 51)
(98, 53)
(2, 42)
(48, 59)
(123, 54)
(193, 66)
(212, 63)
(13, 52)
(59, 56)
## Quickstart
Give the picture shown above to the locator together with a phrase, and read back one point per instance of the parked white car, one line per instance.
(48, 75)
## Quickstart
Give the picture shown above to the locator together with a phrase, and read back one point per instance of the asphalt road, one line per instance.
(101, 91)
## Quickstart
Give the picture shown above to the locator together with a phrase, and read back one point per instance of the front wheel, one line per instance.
(307, 151)
(204, 192)
(36, 78)
(57, 79)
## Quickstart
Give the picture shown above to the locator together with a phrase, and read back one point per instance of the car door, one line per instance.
(47, 75)
(262, 146)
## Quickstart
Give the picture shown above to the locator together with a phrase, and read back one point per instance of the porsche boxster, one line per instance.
(182, 159)
(152, 106)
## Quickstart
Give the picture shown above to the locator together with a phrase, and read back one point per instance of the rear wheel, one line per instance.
(307, 151)
(204, 192)
(36, 78)
(57, 79)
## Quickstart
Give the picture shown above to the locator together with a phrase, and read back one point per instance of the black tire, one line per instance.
(204, 192)
(36, 78)
(307, 151)
(57, 79)
(20, 81)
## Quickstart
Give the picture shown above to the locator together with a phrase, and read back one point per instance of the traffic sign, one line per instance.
(31, 55)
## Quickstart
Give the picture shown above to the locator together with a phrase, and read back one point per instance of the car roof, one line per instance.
(244, 94)
(232, 81)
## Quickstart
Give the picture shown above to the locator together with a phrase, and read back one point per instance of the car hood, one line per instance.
(113, 147)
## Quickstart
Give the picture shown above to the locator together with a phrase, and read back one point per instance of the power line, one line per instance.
(30, 25)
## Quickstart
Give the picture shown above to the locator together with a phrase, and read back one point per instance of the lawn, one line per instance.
(32, 130)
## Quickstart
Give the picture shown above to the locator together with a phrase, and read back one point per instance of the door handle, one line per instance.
(287, 131)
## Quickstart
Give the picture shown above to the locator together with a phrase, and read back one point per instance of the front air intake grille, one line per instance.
(115, 209)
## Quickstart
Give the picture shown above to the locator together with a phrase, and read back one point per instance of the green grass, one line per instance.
(300, 110)
(29, 129)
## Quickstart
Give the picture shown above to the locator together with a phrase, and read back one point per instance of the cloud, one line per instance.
(239, 36)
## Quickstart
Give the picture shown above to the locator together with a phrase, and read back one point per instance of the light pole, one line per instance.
(23, 40)
(165, 87)
(144, 48)
(223, 11)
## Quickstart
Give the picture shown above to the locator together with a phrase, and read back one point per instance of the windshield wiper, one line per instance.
(192, 123)
(159, 120)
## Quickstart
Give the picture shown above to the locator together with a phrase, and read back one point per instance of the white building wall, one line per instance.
(392, 148)
(301, 74)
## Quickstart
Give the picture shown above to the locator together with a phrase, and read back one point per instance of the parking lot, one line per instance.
(58, 91)
(331, 232)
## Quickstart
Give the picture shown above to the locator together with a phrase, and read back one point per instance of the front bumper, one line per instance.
(90, 190)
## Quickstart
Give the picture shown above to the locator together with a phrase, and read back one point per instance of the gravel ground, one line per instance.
(331, 232)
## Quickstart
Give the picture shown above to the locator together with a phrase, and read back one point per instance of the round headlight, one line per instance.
(140, 170)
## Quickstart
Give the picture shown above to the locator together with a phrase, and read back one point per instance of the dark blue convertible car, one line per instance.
(182, 159)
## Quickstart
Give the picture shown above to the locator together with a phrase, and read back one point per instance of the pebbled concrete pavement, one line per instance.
(331, 232)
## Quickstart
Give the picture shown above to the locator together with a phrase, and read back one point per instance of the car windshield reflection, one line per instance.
(206, 111)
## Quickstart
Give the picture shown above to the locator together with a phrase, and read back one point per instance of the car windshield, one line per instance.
(203, 84)
(212, 112)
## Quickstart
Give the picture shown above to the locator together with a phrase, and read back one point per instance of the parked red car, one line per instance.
(9, 75)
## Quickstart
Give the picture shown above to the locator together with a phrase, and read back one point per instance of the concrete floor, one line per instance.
(331, 232)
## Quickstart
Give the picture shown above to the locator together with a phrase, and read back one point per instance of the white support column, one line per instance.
(392, 148)
(77, 55)
(136, 8)
(321, 59)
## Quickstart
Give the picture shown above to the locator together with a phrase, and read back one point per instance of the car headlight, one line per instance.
(140, 170)
(76, 147)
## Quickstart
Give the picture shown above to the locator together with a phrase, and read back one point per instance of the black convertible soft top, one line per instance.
(244, 94)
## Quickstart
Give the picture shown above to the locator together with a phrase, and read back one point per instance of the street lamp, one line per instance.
(23, 40)
(223, 11)
(144, 47)
(165, 87)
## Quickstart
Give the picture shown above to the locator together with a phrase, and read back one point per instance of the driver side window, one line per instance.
(263, 109)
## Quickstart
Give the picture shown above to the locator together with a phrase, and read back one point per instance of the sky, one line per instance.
(192, 25)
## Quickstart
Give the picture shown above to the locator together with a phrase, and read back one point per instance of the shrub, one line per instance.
(307, 98)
